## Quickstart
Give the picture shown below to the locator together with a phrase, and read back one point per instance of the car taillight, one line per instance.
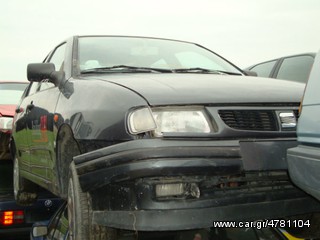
(8, 218)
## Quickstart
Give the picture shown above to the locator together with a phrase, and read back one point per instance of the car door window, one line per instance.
(264, 69)
(296, 68)
(58, 57)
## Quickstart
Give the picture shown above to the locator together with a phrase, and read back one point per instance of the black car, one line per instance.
(15, 220)
(294, 67)
(150, 134)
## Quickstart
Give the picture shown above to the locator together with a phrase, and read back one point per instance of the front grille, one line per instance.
(254, 120)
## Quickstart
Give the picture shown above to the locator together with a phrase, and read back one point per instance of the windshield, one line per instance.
(10, 93)
(106, 52)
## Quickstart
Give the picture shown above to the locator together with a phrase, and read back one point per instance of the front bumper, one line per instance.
(237, 180)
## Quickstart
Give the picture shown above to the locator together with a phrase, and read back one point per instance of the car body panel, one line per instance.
(101, 171)
(211, 88)
(304, 160)
(41, 146)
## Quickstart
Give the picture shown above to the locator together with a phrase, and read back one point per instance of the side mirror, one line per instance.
(36, 72)
(250, 73)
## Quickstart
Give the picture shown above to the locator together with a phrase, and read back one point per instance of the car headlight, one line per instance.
(180, 121)
(5, 123)
(170, 120)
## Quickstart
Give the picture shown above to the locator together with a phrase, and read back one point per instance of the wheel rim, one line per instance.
(16, 178)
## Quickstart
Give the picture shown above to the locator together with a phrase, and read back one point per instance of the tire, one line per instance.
(80, 213)
(311, 232)
(24, 190)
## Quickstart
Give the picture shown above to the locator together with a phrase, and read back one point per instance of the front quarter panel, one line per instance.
(96, 110)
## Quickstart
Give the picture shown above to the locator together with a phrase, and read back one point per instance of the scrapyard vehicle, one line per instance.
(151, 134)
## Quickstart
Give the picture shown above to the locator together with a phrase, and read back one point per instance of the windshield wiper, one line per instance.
(203, 70)
(125, 68)
(195, 70)
(231, 73)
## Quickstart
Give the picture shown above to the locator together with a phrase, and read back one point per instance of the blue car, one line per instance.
(304, 160)
(15, 220)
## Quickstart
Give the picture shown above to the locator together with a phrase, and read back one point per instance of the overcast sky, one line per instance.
(243, 31)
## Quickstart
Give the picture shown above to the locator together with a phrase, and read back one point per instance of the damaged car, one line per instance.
(149, 134)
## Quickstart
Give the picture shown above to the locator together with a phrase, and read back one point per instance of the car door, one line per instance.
(21, 138)
(296, 68)
(40, 129)
(40, 120)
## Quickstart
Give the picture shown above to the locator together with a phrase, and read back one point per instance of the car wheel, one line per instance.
(22, 188)
(80, 212)
(311, 231)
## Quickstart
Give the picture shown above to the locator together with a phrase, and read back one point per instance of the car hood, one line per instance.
(7, 109)
(164, 89)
